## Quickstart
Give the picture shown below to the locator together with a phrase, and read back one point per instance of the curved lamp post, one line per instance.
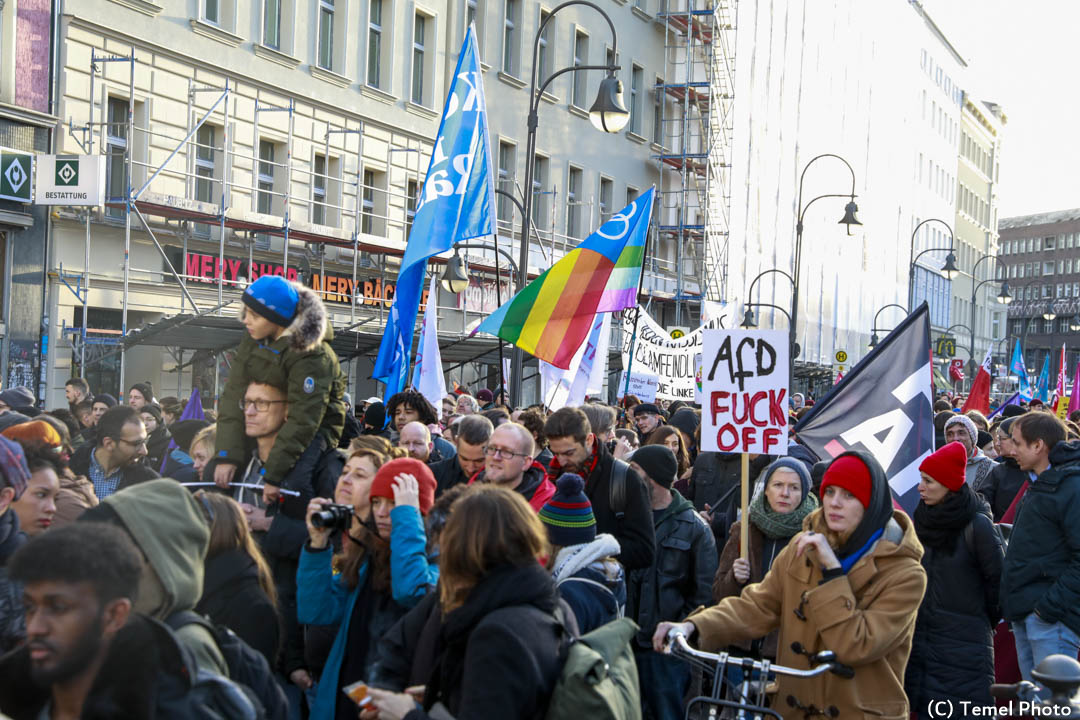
(874, 330)
(608, 114)
(948, 271)
(1004, 297)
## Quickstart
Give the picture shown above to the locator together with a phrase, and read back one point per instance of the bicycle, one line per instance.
(1060, 674)
(758, 679)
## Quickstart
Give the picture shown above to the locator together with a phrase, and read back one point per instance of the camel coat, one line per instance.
(866, 617)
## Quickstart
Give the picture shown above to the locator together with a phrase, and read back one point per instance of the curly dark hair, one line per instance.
(533, 421)
(412, 399)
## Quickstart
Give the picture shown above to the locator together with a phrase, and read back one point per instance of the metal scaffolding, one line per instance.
(695, 102)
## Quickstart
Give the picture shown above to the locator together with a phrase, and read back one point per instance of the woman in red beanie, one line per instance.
(952, 657)
(851, 582)
(382, 572)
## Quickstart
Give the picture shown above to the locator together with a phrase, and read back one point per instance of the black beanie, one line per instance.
(1013, 410)
(152, 409)
(659, 464)
(146, 390)
(184, 431)
(375, 415)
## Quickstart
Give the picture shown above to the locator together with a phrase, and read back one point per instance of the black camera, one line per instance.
(333, 517)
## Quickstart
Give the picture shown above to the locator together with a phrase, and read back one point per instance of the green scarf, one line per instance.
(777, 526)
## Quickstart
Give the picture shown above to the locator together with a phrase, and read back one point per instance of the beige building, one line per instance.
(293, 137)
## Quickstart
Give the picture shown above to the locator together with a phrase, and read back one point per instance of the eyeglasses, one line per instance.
(260, 405)
(141, 442)
(497, 452)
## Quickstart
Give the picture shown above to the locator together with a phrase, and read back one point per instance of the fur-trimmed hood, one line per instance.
(310, 326)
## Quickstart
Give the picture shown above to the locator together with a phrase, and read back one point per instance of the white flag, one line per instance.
(585, 375)
(428, 376)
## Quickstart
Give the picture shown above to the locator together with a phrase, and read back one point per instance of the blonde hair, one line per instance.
(510, 534)
(208, 436)
(229, 531)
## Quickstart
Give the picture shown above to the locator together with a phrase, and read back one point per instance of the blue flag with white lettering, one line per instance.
(1018, 368)
(1042, 385)
(456, 204)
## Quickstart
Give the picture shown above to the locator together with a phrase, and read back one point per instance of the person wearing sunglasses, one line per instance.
(509, 462)
(115, 460)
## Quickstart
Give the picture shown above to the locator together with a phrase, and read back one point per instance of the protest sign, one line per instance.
(655, 351)
(642, 386)
(745, 391)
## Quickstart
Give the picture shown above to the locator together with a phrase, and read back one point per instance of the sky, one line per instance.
(1021, 56)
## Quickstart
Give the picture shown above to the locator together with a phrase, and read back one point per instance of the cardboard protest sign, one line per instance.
(745, 391)
(655, 351)
(643, 386)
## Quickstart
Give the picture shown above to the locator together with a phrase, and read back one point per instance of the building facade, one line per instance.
(285, 136)
(27, 116)
(1040, 258)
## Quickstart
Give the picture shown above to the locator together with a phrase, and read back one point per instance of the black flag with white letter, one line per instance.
(884, 406)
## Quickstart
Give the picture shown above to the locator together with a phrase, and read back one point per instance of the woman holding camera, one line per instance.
(382, 571)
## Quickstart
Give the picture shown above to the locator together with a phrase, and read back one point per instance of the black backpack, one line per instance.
(247, 666)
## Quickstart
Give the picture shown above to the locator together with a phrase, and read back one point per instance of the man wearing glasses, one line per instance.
(115, 461)
(510, 463)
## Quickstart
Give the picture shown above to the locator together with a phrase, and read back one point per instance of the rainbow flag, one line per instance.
(552, 315)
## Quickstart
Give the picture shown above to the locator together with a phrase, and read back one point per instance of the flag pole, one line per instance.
(637, 316)
(498, 300)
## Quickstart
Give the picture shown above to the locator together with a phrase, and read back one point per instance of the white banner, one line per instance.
(642, 386)
(744, 386)
(656, 352)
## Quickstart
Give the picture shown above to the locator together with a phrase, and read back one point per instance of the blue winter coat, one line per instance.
(592, 605)
(323, 598)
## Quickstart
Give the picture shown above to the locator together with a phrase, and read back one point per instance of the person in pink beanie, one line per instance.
(952, 655)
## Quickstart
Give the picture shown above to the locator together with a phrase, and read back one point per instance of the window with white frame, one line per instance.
(631, 194)
(221, 13)
(545, 47)
(541, 203)
(266, 172)
(607, 197)
(326, 34)
(658, 112)
(573, 202)
(474, 15)
(373, 203)
(511, 51)
(318, 190)
(272, 24)
(507, 154)
(1048, 267)
(116, 141)
(423, 55)
(636, 80)
(375, 46)
(206, 168)
(581, 57)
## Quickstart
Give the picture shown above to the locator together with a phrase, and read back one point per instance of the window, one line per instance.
(511, 44)
(573, 202)
(272, 24)
(631, 195)
(418, 58)
(212, 12)
(266, 177)
(474, 15)
(374, 57)
(505, 210)
(1048, 267)
(116, 149)
(412, 192)
(607, 195)
(318, 190)
(636, 80)
(581, 57)
(205, 168)
(658, 112)
(541, 207)
(326, 34)
(546, 47)
(373, 203)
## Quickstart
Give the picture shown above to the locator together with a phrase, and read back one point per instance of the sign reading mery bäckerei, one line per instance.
(744, 391)
(70, 180)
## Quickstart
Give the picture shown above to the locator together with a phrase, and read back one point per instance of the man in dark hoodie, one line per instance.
(509, 462)
(679, 580)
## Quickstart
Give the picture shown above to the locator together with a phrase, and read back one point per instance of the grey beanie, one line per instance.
(969, 426)
(796, 466)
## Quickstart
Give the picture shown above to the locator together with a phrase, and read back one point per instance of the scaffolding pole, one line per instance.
(129, 203)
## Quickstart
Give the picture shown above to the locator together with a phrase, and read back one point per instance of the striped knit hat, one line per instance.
(568, 514)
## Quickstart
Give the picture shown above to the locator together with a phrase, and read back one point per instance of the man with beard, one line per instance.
(509, 462)
(87, 654)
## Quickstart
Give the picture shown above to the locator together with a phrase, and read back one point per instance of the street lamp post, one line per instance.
(1004, 297)
(749, 317)
(1048, 313)
(875, 328)
(949, 270)
(608, 113)
(849, 219)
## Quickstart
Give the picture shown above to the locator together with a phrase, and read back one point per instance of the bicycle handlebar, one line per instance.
(676, 643)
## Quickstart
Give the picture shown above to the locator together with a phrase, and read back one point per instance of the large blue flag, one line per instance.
(456, 204)
(1018, 368)
(1042, 385)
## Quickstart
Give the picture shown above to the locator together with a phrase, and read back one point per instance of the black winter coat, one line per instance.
(1042, 565)
(635, 531)
(448, 473)
(130, 475)
(680, 580)
(1001, 485)
(233, 597)
(12, 625)
(715, 482)
(157, 445)
(500, 654)
(952, 653)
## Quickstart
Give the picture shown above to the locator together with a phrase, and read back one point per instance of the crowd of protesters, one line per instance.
(267, 562)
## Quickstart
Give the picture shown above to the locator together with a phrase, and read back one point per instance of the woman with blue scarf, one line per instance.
(851, 582)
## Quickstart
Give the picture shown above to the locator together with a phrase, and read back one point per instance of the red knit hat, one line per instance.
(948, 465)
(383, 484)
(850, 473)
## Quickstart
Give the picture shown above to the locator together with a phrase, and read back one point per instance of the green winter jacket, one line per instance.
(303, 365)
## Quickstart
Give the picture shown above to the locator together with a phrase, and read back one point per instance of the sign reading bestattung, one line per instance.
(16, 169)
(70, 180)
(745, 391)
